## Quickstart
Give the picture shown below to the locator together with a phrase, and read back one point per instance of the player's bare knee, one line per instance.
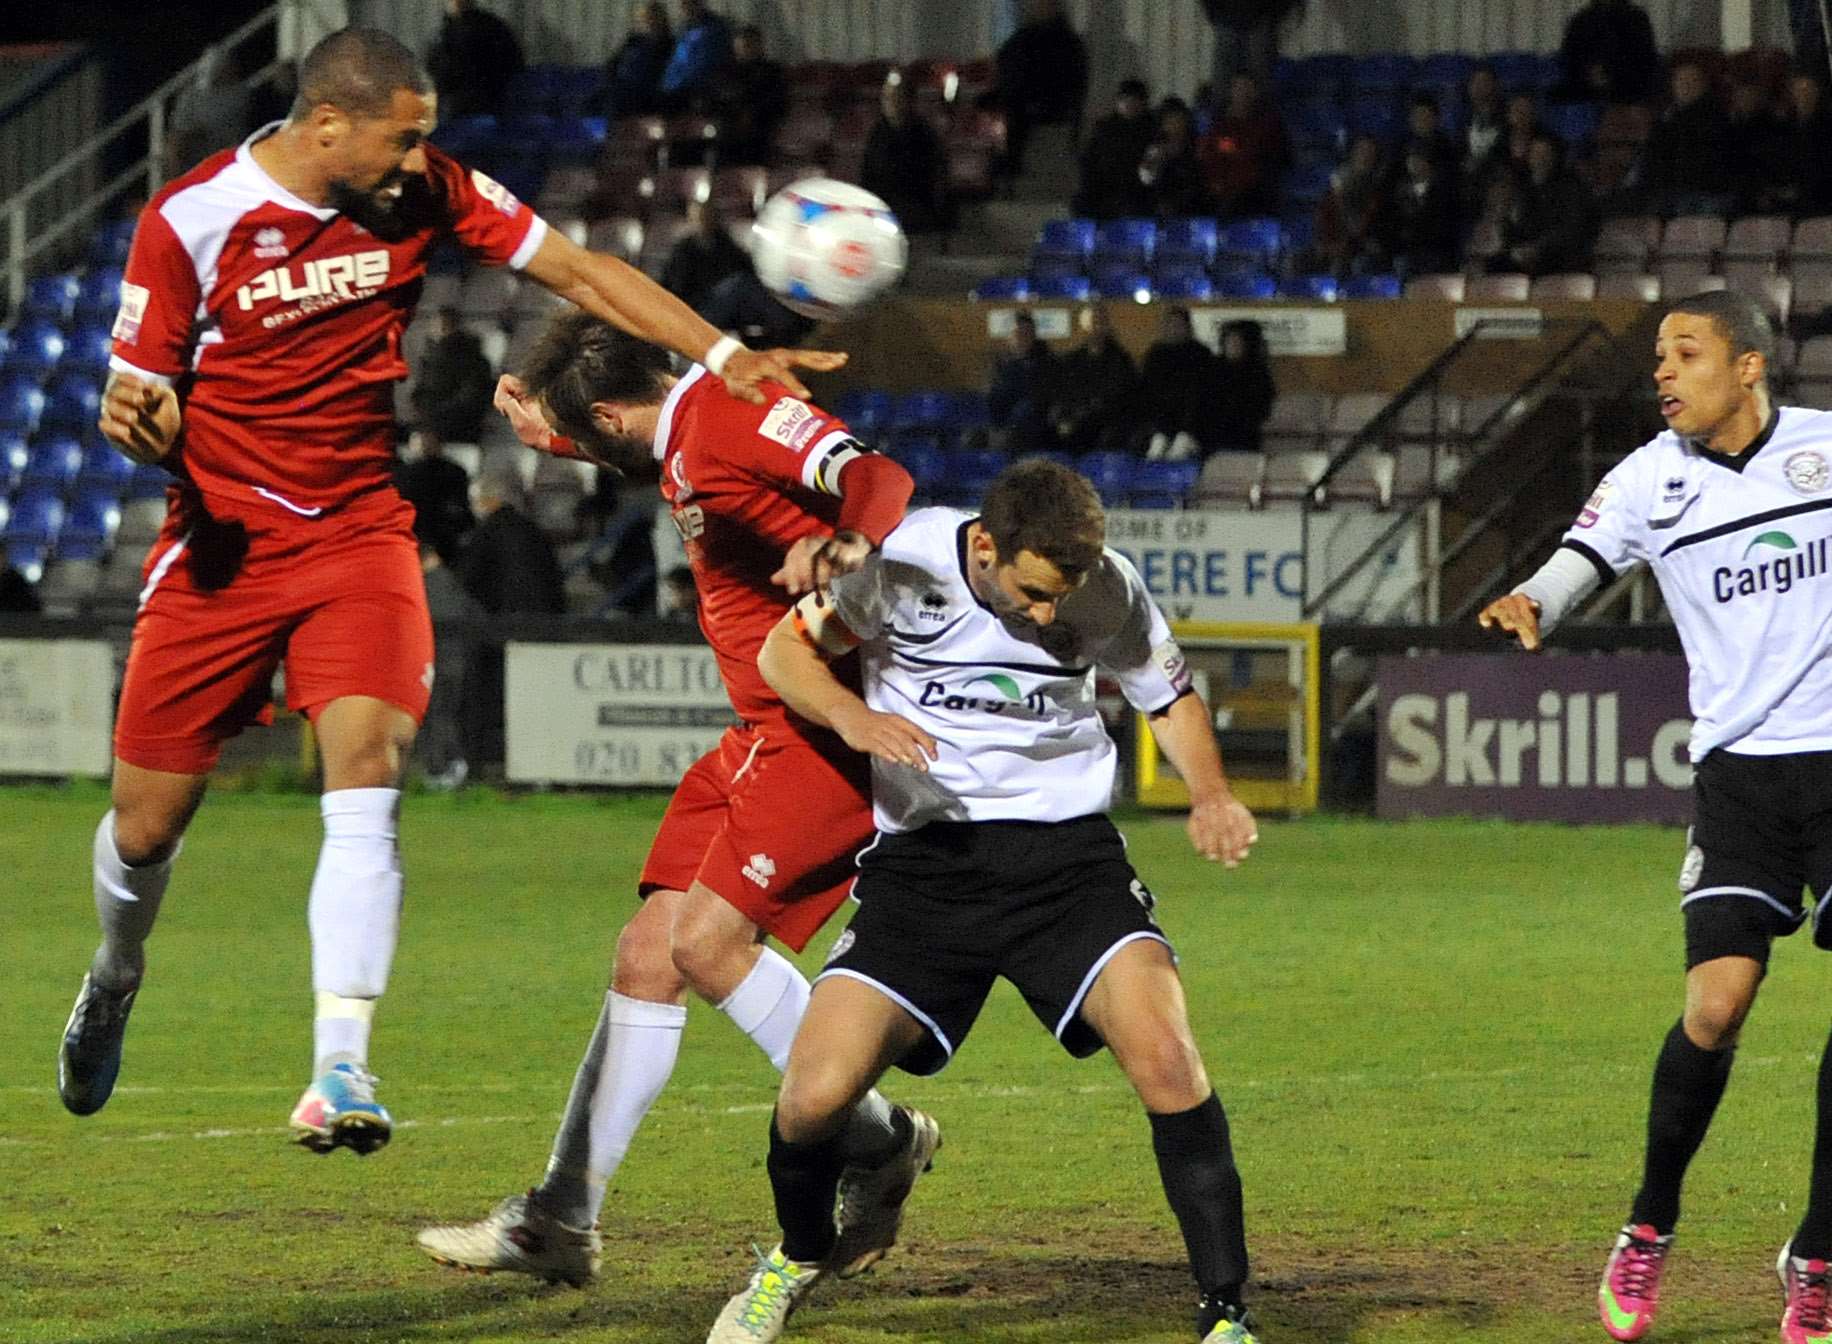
(711, 955)
(643, 968)
(147, 830)
(1714, 1018)
(813, 1104)
(1167, 1073)
(373, 762)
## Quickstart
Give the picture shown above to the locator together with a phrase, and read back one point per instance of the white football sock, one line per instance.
(631, 1054)
(768, 1005)
(126, 903)
(355, 919)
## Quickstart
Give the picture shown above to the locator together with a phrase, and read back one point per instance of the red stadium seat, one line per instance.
(1625, 244)
(1296, 420)
(1570, 286)
(1231, 478)
(1444, 288)
(1497, 289)
(1646, 288)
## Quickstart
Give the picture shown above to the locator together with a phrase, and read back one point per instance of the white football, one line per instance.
(826, 248)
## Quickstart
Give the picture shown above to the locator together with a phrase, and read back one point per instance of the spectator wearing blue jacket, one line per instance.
(635, 70)
(701, 52)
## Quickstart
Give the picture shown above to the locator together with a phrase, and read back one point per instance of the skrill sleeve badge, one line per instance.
(132, 313)
(494, 192)
(1593, 507)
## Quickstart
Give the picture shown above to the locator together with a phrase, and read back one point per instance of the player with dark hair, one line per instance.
(1732, 509)
(258, 337)
(978, 639)
(760, 836)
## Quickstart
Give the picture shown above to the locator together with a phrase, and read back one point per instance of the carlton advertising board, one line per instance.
(1547, 738)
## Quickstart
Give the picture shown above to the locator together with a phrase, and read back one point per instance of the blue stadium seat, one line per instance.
(1122, 284)
(51, 297)
(921, 410)
(148, 482)
(6, 343)
(1070, 238)
(1318, 130)
(1378, 115)
(1183, 286)
(1574, 123)
(1161, 485)
(53, 464)
(1050, 267)
(1316, 77)
(87, 350)
(1063, 288)
(26, 556)
(539, 88)
(1003, 288)
(1245, 285)
(1372, 287)
(1382, 72)
(108, 245)
(1124, 243)
(21, 403)
(73, 401)
(80, 544)
(865, 412)
(36, 518)
(13, 456)
(1524, 71)
(1249, 242)
(1186, 242)
(91, 523)
(464, 137)
(1443, 73)
(576, 139)
(927, 465)
(1319, 287)
(37, 346)
(1297, 232)
(968, 411)
(99, 294)
(1308, 183)
(105, 469)
(970, 473)
(1111, 474)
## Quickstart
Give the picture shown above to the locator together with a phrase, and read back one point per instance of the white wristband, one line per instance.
(722, 350)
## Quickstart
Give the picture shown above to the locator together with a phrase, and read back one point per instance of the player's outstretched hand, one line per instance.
(139, 418)
(745, 369)
(887, 737)
(1222, 830)
(524, 414)
(1515, 614)
(814, 562)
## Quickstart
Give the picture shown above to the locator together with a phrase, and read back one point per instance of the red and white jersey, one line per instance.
(280, 322)
(745, 483)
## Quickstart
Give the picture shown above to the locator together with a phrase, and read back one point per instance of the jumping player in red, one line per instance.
(761, 834)
(259, 333)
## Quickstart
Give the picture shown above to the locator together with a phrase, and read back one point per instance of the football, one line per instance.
(827, 248)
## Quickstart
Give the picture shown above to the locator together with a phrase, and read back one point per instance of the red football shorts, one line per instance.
(339, 601)
(771, 820)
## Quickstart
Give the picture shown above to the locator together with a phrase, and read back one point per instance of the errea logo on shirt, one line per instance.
(791, 423)
(760, 870)
(319, 283)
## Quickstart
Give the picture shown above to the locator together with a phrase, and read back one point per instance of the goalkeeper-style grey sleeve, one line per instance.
(1559, 585)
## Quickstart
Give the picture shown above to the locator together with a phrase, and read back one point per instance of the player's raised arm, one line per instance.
(616, 291)
(873, 494)
(1220, 826)
(793, 661)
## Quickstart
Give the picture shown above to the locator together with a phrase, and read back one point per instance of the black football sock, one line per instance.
(1196, 1163)
(1688, 1084)
(1814, 1239)
(805, 1178)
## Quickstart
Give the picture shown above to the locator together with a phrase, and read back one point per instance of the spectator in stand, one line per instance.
(1244, 153)
(1809, 34)
(1485, 124)
(678, 599)
(1609, 55)
(1171, 172)
(1243, 391)
(1348, 240)
(702, 54)
(1802, 177)
(1246, 36)
(1521, 124)
(440, 749)
(1759, 171)
(1688, 159)
(472, 60)
(1042, 77)
(904, 161)
(753, 99)
(440, 492)
(620, 558)
(454, 382)
(740, 306)
(1554, 217)
(1024, 386)
(1178, 386)
(703, 258)
(216, 112)
(1418, 221)
(1488, 233)
(1099, 388)
(509, 568)
(17, 595)
(1425, 128)
(1110, 185)
(633, 86)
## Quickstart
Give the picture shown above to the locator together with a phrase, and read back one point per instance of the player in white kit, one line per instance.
(991, 774)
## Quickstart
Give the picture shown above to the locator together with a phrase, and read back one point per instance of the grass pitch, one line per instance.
(1433, 1041)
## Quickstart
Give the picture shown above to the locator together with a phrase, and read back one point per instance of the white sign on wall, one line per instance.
(56, 707)
(1321, 331)
(1213, 564)
(630, 714)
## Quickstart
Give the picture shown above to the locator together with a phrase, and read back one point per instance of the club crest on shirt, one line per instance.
(1806, 472)
(1593, 507)
(494, 192)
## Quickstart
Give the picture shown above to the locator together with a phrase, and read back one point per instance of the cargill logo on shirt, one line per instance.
(1001, 695)
(1779, 562)
(318, 284)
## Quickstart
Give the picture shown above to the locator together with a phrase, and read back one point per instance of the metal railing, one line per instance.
(141, 138)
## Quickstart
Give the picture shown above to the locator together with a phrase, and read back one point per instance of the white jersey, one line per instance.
(1742, 547)
(1011, 705)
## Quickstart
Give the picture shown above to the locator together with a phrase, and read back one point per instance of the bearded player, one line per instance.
(258, 337)
(760, 836)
